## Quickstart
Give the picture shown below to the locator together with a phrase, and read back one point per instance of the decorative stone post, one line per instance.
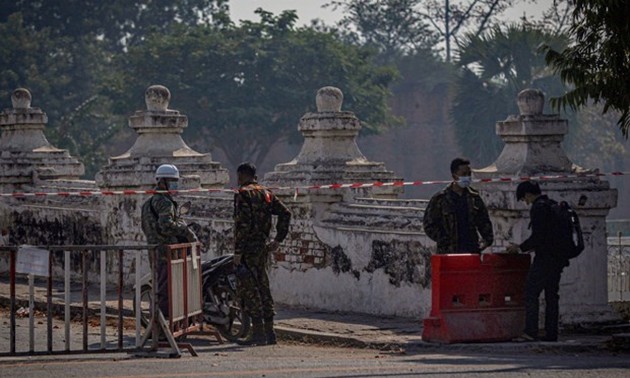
(532, 148)
(341, 243)
(27, 157)
(159, 142)
(330, 153)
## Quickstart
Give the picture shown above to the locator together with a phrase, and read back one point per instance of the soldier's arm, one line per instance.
(242, 221)
(284, 218)
(167, 224)
(432, 220)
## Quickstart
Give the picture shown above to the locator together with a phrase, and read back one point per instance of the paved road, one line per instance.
(298, 360)
(289, 359)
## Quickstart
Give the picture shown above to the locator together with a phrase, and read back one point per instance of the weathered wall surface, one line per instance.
(342, 258)
(343, 252)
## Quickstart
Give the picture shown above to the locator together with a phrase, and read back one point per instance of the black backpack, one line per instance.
(568, 230)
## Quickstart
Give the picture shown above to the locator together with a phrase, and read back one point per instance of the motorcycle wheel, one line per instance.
(145, 303)
(238, 326)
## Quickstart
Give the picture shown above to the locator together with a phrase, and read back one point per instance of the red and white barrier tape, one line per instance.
(357, 185)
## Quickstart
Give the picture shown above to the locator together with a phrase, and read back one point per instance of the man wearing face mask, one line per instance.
(456, 215)
(161, 225)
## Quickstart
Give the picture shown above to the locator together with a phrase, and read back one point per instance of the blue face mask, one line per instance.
(172, 185)
(464, 181)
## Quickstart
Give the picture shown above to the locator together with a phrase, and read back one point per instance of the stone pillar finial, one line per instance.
(160, 142)
(533, 148)
(532, 140)
(329, 99)
(27, 158)
(330, 153)
(530, 101)
(21, 98)
(157, 98)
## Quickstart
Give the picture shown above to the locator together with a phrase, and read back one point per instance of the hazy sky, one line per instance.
(310, 9)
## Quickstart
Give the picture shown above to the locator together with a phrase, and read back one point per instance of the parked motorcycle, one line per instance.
(222, 308)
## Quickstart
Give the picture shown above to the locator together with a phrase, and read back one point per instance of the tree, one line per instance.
(62, 74)
(119, 23)
(597, 62)
(452, 18)
(61, 51)
(495, 67)
(245, 88)
(596, 143)
(392, 27)
(404, 26)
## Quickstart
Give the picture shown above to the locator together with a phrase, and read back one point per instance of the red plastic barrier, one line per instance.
(476, 298)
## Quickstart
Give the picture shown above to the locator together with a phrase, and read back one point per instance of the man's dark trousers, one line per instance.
(543, 275)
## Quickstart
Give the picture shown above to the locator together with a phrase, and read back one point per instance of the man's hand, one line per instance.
(192, 237)
(513, 248)
(237, 260)
(483, 245)
(273, 245)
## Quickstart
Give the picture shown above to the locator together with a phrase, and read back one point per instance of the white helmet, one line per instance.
(167, 171)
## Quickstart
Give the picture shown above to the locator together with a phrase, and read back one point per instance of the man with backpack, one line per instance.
(548, 239)
(161, 225)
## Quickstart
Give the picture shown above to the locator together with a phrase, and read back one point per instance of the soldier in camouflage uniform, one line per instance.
(456, 216)
(253, 207)
(162, 226)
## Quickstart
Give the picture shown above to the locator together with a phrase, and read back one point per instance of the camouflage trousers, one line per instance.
(253, 288)
(162, 279)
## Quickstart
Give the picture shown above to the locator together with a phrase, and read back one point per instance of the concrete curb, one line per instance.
(598, 343)
(325, 338)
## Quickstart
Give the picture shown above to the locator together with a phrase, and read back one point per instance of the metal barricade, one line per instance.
(87, 254)
(185, 300)
(619, 268)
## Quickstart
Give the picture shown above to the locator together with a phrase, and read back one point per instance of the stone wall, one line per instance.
(361, 250)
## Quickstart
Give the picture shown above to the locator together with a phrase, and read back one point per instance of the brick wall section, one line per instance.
(301, 250)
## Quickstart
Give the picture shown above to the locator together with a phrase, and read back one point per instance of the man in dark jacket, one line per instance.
(455, 215)
(254, 206)
(546, 269)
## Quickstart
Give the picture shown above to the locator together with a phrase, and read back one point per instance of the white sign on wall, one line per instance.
(32, 260)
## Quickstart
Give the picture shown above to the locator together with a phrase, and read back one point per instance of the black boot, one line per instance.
(270, 334)
(258, 334)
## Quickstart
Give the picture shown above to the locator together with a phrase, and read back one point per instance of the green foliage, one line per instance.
(87, 64)
(596, 143)
(495, 67)
(117, 22)
(61, 73)
(404, 27)
(598, 61)
(245, 88)
(392, 27)
(61, 51)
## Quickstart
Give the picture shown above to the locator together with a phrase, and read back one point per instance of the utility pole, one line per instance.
(447, 32)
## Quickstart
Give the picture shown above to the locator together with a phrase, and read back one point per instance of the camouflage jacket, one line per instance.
(253, 207)
(160, 222)
(440, 220)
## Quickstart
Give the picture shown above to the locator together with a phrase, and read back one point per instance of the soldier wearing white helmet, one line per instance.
(162, 226)
(167, 177)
